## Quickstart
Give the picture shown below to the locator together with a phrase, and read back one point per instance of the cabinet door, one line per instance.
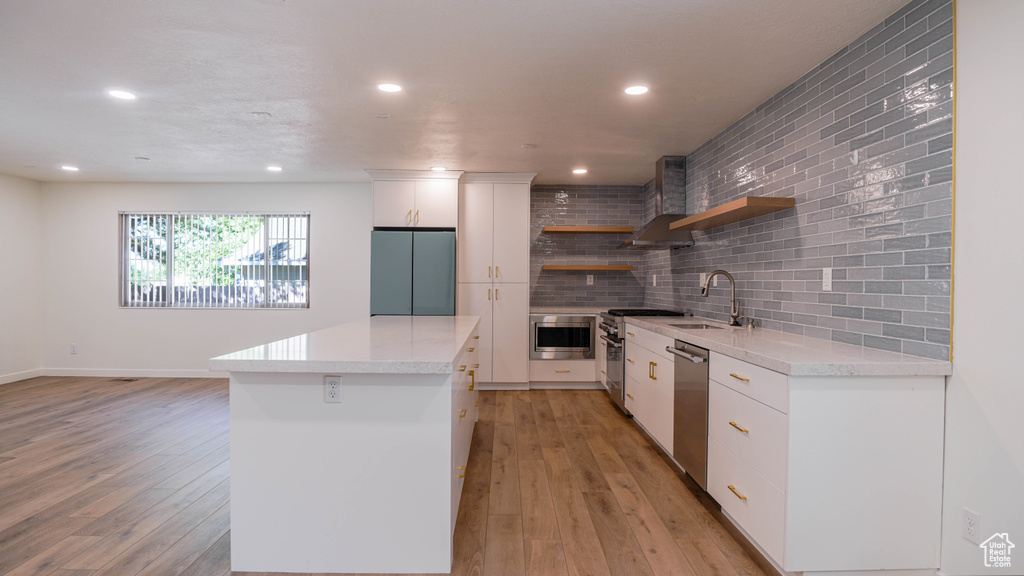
(512, 232)
(437, 204)
(663, 401)
(511, 333)
(394, 202)
(476, 228)
(476, 300)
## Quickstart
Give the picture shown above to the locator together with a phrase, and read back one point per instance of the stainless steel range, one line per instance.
(613, 327)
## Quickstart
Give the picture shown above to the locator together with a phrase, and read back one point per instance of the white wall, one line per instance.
(20, 300)
(984, 462)
(80, 250)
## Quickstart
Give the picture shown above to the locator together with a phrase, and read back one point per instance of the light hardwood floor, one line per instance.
(111, 478)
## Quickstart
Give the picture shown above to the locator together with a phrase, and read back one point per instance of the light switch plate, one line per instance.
(826, 279)
(590, 279)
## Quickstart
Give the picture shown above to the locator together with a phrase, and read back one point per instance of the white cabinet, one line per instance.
(465, 407)
(650, 383)
(494, 224)
(415, 199)
(510, 339)
(493, 271)
(828, 473)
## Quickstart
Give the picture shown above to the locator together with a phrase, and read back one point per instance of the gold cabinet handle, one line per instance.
(476, 365)
(462, 413)
(630, 333)
(740, 378)
(472, 383)
(488, 294)
(495, 271)
(488, 271)
(476, 337)
(653, 375)
(630, 360)
(737, 426)
(495, 293)
(561, 371)
(463, 468)
(409, 217)
(462, 368)
(630, 396)
(738, 495)
(417, 218)
(471, 349)
(475, 404)
(603, 372)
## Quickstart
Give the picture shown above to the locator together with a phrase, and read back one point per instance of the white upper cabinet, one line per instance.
(511, 211)
(494, 229)
(476, 232)
(415, 198)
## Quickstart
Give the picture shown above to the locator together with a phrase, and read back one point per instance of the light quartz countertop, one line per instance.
(582, 310)
(375, 345)
(794, 354)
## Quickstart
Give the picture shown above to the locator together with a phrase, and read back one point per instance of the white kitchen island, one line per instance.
(369, 484)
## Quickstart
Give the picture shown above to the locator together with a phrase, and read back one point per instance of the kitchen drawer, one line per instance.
(563, 370)
(761, 384)
(760, 511)
(759, 435)
(650, 340)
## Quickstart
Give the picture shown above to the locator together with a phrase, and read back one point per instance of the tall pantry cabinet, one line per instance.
(494, 272)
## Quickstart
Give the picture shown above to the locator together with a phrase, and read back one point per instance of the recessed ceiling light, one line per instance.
(273, 168)
(635, 90)
(143, 158)
(389, 87)
(121, 94)
(382, 116)
(438, 168)
(69, 168)
(529, 146)
(579, 171)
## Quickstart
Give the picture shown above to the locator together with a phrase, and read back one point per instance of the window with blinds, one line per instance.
(198, 260)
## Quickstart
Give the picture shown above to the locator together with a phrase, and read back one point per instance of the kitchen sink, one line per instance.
(694, 326)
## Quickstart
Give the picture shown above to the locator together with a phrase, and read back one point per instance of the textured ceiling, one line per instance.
(481, 78)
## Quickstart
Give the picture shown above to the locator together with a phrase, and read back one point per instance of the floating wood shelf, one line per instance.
(735, 211)
(605, 267)
(588, 230)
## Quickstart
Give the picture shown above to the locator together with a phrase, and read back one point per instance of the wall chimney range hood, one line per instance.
(670, 176)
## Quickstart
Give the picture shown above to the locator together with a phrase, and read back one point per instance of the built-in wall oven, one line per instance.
(562, 337)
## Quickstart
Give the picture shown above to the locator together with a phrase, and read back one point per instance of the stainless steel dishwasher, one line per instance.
(690, 434)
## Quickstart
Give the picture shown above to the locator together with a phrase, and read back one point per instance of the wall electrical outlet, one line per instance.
(654, 279)
(703, 278)
(332, 389)
(972, 526)
(590, 279)
(74, 348)
(826, 279)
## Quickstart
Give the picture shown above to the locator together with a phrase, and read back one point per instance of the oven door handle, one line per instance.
(611, 342)
(691, 358)
(608, 327)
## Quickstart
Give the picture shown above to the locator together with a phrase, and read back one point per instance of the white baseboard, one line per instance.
(502, 385)
(18, 376)
(130, 373)
(566, 386)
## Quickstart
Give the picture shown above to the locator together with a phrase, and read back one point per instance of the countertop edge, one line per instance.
(897, 365)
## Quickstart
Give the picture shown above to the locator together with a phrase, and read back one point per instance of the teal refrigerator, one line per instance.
(412, 272)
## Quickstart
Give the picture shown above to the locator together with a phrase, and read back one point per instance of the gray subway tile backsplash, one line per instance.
(880, 220)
